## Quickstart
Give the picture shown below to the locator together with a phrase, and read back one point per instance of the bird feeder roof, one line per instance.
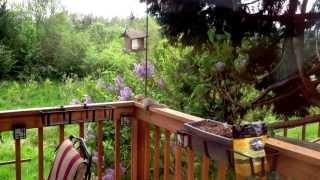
(134, 34)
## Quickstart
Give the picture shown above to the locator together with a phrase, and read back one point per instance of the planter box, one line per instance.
(215, 146)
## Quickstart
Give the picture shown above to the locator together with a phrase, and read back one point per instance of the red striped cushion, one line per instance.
(66, 162)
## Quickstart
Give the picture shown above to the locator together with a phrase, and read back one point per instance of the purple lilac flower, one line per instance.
(108, 177)
(119, 82)
(144, 69)
(87, 99)
(125, 94)
(95, 157)
(75, 101)
(109, 174)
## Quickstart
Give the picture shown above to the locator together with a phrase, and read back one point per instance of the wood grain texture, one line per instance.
(40, 154)
(291, 168)
(222, 170)
(81, 130)
(156, 156)
(18, 158)
(177, 163)
(141, 149)
(146, 152)
(166, 154)
(117, 149)
(205, 168)
(100, 150)
(297, 152)
(61, 134)
(31, 118)
(190, 168)
(134, 149)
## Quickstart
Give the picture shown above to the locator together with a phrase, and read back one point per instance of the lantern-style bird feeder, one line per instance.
(134, 40)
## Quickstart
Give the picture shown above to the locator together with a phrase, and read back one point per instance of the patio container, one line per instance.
(215, 146)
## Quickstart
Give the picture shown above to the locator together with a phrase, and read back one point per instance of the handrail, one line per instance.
(164, 119)
(31, 118)
(295, 151)
(295, 123)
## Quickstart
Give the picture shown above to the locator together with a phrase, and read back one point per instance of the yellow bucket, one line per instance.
(249, 154)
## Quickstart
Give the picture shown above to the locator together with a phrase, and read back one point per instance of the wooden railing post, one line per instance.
(166, 167)
(117, 149)
(18, 158)
(156, 156)
(81, 130)
(146, 155)
(141, 150)
(177, 163)
(100, 149)
(61, 134)
(134, 149)
(40, 154)
(222, 169)
(204, 168)
(190, 169)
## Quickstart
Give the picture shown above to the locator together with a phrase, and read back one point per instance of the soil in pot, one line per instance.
(215, 128)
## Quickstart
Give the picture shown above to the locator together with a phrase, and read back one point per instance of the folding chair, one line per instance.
(71, 162)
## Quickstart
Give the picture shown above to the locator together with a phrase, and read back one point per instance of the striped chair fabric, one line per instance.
(68, 163)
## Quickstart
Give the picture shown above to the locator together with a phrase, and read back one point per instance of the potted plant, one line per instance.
(212, 138)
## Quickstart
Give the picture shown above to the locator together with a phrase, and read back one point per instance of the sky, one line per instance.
(112, 8)
(104, 8)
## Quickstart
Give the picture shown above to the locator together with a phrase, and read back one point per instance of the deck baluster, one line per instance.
(166, 175)
(156, 160)
(40, 154)
(18, 158)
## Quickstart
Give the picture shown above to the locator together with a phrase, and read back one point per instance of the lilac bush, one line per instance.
(119, 88)
(110, 173)
(144, 69)
(95, 157)
(119, 82)
(125, 94)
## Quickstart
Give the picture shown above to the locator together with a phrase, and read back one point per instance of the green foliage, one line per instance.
(58, 44)
(7, 61)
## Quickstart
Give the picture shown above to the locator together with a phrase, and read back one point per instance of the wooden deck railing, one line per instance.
(152, 133)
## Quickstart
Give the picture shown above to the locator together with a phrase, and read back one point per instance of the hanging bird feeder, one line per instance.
(134, 40)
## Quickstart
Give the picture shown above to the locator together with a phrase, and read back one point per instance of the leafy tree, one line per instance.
(7, 61)
(256, 30)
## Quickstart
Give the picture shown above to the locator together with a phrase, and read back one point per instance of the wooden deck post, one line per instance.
(18, 159)
(156, 156)
(100, 150)
(166, 167)
(40, 154)
(134, 149)
(190, 170)
(117, 149)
